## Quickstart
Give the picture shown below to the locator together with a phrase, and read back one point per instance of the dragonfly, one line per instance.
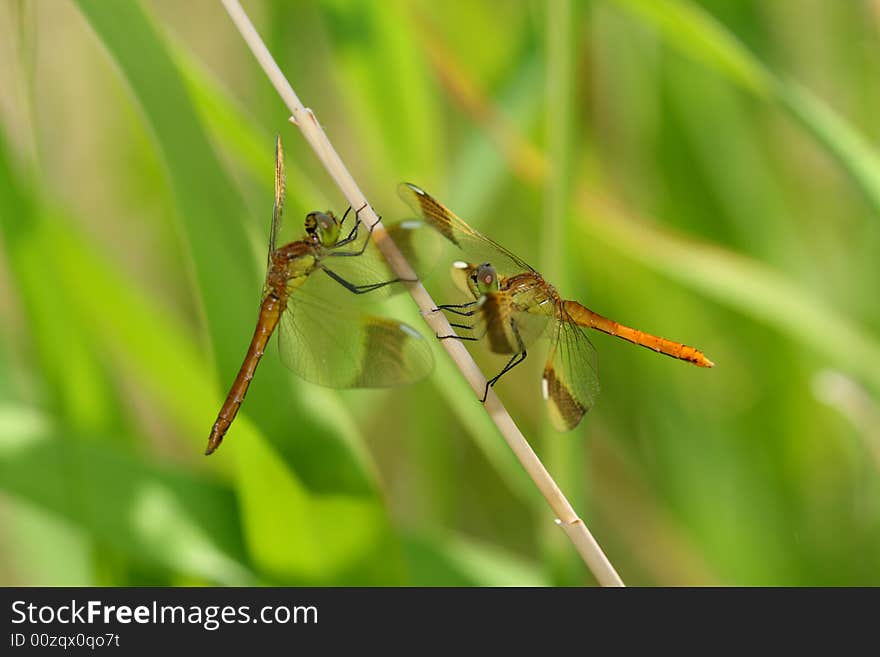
(511, 305)
(322, 338)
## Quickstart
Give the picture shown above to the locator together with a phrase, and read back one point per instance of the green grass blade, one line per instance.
(566, 459)
(851, 149)
(232, 127)
(76, 384)
(697, 34)
(211, 213)
(694, 32)
(379, 64)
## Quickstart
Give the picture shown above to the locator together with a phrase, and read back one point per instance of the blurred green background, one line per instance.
(706, 171)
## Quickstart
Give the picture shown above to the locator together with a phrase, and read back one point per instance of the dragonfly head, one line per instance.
(479, 280)
(322, 227)
(484, 279)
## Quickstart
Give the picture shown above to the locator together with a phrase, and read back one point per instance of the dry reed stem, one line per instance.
(304, 118)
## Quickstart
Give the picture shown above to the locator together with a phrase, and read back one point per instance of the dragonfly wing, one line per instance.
(530, 326)
(278, 208)
(341, 348)
(570, 382)
(476, 247)
(362, 264)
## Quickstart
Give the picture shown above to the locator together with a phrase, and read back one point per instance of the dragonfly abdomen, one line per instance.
(270, 312)
(586, 317)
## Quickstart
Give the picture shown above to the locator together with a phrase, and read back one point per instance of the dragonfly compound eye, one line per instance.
(329, 228)
(324, 226)
(486, 279)
(311, 223)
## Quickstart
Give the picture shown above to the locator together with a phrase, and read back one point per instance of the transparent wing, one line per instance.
(530, 326)
(570, 382)
(360, 262)
(531, 307)
(477, 248)
(341, 348)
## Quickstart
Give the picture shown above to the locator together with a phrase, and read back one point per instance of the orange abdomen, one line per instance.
(586, 317)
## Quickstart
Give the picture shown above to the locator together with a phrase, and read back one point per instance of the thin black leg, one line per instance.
(352, 235)
(513, 362)
(351, 238)
(342, 221)
(357, 289)
(455, 309)
(450, 306)
(460, 313)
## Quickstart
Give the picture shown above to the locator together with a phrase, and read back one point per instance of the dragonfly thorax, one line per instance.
(294, 260)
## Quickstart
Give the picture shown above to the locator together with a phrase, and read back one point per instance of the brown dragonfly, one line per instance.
(319, 338)
(512, 305)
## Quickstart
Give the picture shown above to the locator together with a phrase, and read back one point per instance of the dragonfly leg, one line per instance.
(513, 362)
(460, 313)
(455, 308)
(352, 236)
(353, 233)
(356, 214)
(448, 306)
(344, 215)
(466, 327)
(357, 289)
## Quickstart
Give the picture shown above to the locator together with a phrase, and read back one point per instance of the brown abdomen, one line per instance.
(270, 312)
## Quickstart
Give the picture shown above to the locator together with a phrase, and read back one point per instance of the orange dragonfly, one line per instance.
(513, 305)
(318, 339)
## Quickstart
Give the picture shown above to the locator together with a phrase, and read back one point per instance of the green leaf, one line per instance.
(298, 538)
(153, 514)
(454, 560)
